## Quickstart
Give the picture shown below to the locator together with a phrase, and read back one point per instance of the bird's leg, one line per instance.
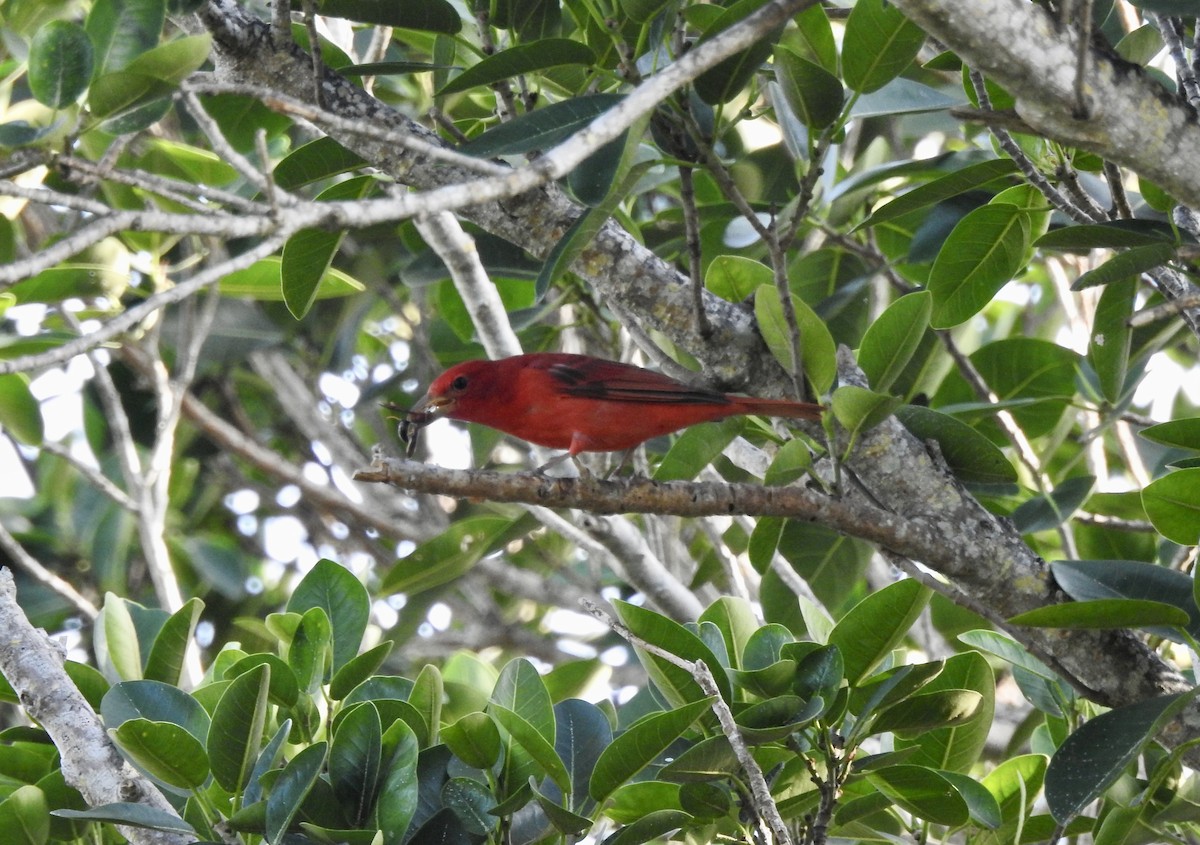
(625, 456)
(584, 472)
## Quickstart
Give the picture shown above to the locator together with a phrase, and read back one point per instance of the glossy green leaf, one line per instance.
(521, 690)
(957, 748)
(1102, 614)
(292, 787)
(737, 621)
(813, 38)
(164, 750)
(118, 653)
(534, 744)
(814, 93)
(427, 15)
(60, 63)
(859, 409)
(640, 11)
(735, 277)
(1042, 513)
(24, 816)
(1005, 647)
(133, 814)
(649, 827)
(1173, 504)
(319, 159)
(166, 659)
(791, 462)
(930, 710)
(174, 61)
(472, 802)
(308, 254)
(309, 652)
(582, 735)
(523, 58)
(474, 739)
(635, 799)
(358, 669)
(1181, 433)
(675, 684)
(66, 281)
(637, 747)
(696, 448)
(1131, 262)
(541, 129)
(1112, 234)
(1087, 580)
(355, 761)
(725, 80)
(399, 793)
(20, 412)
(953, 184)
(891, 341)
(336, 590)
(970, 455)
(235, 738)
(983, 807)
(121, 30)
(451, 553)
(263, 280)
(154, 701)
(1094, 756)
(267, 760)
(1108, 349)
(876, 625)
(984, 251)
(817, 349)
(879, 44)
(925, 793)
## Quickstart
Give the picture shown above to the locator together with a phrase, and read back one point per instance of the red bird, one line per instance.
(580, 403)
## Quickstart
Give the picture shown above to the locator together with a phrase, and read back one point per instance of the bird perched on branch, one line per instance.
(580, 403)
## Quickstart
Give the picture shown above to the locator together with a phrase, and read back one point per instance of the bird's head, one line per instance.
(461, 393)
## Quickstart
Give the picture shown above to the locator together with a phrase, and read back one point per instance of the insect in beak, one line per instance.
(411, 423)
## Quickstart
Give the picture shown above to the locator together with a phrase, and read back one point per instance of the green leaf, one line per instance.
(357, 670)
(60, 63)
(471, 802)
(943, 708)
(814, 93)
(725, 80)
(72, 280)
(1113, 234)
(817, 349)
(859, 409)
(813, 38)
(533, 743)
(957, 747)
(1085, 580)
(285, 688)
(960, 181)
(355, 761)
(474, 739)
(135, 815)
(637, 747)
(20, 412)
(24, 816)
(121, 30)
(1094, 756)
(541, 129)
(879, 44)
(652, 826)
(1181, 433)
(167, 655)
(118, 653)
(523, 58)
(399, 793)
(1102, 614)
(972, 457)
(316, 160)
(452, 553)
(696, 448)
(1006, 648)
(1172, 504)
(676, 684)
(427, 15)
(336, 590)
(1108, 349)
(735, 277)
(294, 783)
(891, 341)
(874, 626)
(984, 809)
(1131, 262)
(308, 254)
(164, 750)
(156, 702)
(1042, 513)
(263, 280)
(235, 738)
(923, 792)
(174, 61)
(983, 252)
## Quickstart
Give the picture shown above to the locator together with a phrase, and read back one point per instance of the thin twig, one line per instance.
(32, 567)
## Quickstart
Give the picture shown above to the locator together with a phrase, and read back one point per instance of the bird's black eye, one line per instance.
(459, 383)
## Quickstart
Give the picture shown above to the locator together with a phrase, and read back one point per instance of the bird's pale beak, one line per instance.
(420, 415)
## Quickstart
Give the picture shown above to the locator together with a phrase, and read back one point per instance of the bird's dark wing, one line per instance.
(595, 378)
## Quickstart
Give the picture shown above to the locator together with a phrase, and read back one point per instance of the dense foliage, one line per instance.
(219, 258)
